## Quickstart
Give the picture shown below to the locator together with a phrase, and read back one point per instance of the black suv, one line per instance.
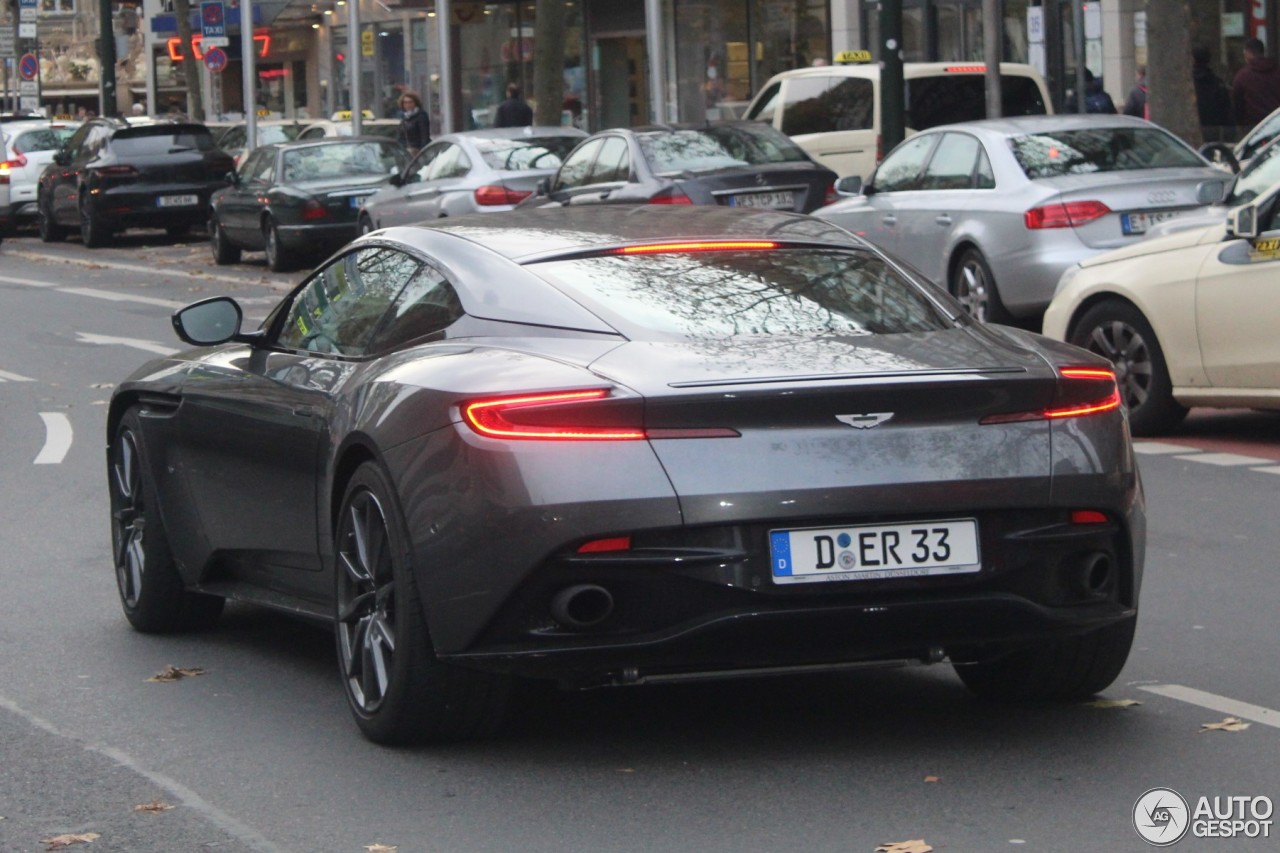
(112, 175)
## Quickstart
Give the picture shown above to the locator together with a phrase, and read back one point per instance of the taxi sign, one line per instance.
(850, 57)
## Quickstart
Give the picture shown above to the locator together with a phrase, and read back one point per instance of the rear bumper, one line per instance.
(125, 207)
(318, 238)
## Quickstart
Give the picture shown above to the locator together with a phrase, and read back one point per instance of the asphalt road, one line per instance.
(259, 753)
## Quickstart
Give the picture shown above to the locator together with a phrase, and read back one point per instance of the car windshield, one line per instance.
(44, 139)
(272, 133)
(1049, 154)
(716, 147)
(533, 152)
(161, 140)
(720, 294)
(1262, 172)
(315, 162)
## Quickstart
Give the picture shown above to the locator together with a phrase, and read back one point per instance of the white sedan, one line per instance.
(1188, 319)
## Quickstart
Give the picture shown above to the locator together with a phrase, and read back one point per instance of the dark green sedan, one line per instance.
(299, 200)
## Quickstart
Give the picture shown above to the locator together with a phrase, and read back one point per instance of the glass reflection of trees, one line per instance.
(753, 293)
(717, 147)
(1102, 149)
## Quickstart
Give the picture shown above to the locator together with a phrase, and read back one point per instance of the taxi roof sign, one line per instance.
(850, 57)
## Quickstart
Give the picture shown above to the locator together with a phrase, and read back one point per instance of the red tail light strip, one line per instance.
(1088, 516)
(697, 246)
(497, 417)
(598, 546)
(1072, 379)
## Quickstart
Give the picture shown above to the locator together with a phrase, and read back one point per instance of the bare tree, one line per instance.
(1171, 94)
(548, 62)
(190, 65)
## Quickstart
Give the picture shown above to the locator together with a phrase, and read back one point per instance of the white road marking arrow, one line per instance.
(6, 376)
(57, 438)
(136, 343)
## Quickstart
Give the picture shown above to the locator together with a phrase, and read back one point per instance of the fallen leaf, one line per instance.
(932, 778)
(626, 770)
(380, 848)
(174, 673)
(1113, 703)
(60, 841)
(153, 806)
(1230, 724)
(102, 385)
(916, 846)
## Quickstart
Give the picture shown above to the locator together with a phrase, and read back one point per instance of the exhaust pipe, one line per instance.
(582, 605)
(1096, 576)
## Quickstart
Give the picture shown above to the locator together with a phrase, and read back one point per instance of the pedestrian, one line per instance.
(514, 111)
(1255, 91)
(415, 126)
(1213, 98)
(1096, 99)
(1136, 103)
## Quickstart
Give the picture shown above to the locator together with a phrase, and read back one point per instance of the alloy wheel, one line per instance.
(974, 291)
(366, 601)
(1129, 352)
(128, 519)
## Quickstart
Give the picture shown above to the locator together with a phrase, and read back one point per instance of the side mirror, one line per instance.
(849, 186)
(209, 321)
(1242, 222)
(396, 180)
(1220, 154)
(544, 187)
(1211, 192)
(63, 157)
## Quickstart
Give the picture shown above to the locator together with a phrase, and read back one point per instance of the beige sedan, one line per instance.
(1188, 319)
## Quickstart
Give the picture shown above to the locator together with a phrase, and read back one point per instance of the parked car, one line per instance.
(1237, 157)
(233, 138)
(733, 164)
(1261, 171)
(111, 175)
(386, 128)
(625, 445)
(298, 200)
(995, 210)
(480, 171)
(833, 111)
(27, 147)
(1188, 319)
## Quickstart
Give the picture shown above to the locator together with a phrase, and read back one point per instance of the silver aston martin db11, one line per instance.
(616, 446)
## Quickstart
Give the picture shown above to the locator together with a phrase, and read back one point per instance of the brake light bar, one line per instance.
(1081, 391)
(966, 69)
(571, 416)
(495, 194)
(671, 195)
(117, 171)
(1067, 215)
(697, 246)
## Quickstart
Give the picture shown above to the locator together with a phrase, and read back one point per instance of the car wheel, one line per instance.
(279, 259)
(974, 285)
(366, 225)
(1119, 332)
(92, 232)
(50, 231)
(397, 689)
(223, 251)
(1065, 669)
(151, 590)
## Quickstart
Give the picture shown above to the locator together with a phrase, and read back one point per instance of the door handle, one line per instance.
(890, 220)
(943, 219)
(306, 411)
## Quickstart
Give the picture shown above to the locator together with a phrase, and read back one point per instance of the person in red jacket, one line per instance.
(1255, 91)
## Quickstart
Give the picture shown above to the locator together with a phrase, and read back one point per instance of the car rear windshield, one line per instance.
(953, 98)
(717, 147)
(160, 140)
(338, 159)
(1100, 149)
(720, 294)
(532, 152)
(44, 139)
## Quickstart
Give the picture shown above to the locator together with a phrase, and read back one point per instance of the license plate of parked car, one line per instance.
(178, 200)
(781, 199)
(875, 551)
(1138, 223)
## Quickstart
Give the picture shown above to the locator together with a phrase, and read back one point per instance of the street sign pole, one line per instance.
(107, 56)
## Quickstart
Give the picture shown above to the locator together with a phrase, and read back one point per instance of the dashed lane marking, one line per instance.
(57, 438)
(1225, 459)
(1194, 454)
(1160, 448)
(6, 376)
(1214, 702)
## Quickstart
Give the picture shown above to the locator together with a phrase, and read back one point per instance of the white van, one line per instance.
(833, 111)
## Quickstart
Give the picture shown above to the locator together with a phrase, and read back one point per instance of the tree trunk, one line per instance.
(1171, 94)
(190, 65)
(548, 62)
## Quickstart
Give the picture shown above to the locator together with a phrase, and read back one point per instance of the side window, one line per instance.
(98, 138)
(952, 164)
(575, 169)
(986, 176)
(768, 104)
(313, 133)
(76, 142)
(806, 109)
(901, 169)
(853, 104)
(338, 309)
(256, 164)
(614, 162)
(427, 305)
(452, 162)
(421, 167)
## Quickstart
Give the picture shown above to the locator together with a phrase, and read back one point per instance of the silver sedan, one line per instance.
(481, 171)
(996, 210)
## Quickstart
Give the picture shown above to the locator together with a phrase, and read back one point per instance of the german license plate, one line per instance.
(781, 198)
(178, 200)
(875, 551)
(1138, 223)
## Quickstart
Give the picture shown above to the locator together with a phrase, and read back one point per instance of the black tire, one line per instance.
(93, 234)
(398, 691)
(973, 284)
(1067, 669)
(50, 231)
(224, 252)
(151, 591)
(279, 259)
(1118, 331)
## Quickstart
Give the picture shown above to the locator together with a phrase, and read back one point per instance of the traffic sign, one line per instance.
(28, 87)
(213, 19)
(8, 44)
(215, 59)
(28, 66)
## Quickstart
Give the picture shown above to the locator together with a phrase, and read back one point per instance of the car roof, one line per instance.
(328, 140)
(1020, 125)
(909, 70)
(512, 132)
(524, 235)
